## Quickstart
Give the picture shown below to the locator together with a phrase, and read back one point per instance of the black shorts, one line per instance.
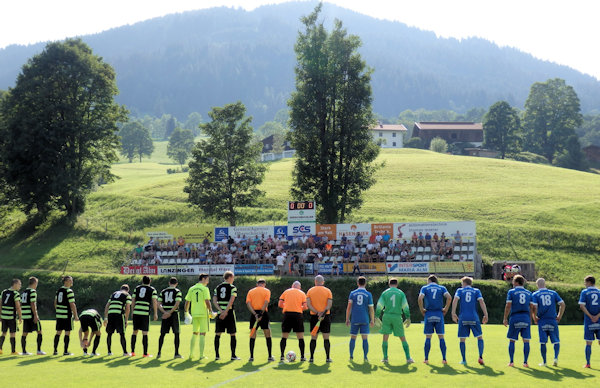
(263, 323)
(116, 322)
(89, 322)
(9, 325)
(141, 322)
(65, 324)
(227, 324)
(292, 322)
(29, 326)
(325, 326)
(171, 323)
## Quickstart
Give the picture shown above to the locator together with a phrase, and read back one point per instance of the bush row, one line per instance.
(93, 291)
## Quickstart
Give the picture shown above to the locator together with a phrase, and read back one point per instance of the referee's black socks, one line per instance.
(313, 346)
(252, 341)
(301, 344)
(282, 346)
(269, 345)
(327, 345)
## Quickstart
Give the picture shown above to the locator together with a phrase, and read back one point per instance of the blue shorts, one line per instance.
(434, 322)
(591, 330)
(548, 328)
(465, 328)
(363, 328)
(516, 327)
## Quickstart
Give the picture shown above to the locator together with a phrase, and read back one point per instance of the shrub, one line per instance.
(529, 157)
(414, 142)
(438, 145)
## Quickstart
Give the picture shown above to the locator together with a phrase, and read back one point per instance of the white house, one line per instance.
(389, 136)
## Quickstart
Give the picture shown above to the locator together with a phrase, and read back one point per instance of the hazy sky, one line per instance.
(562, 31)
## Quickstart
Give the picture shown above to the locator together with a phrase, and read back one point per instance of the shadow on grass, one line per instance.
(406, 368)
(250, 367)
(485, 370)
(446, 370)
(554, 374)
(121, 361)
(182, 365)
(96, 360)
(365, 368)
(317, 369)
(72, 359)
(213, 365)
(289, 365)
(153, 363)
(33, 360)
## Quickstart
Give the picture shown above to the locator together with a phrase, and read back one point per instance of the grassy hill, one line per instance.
(548, 214)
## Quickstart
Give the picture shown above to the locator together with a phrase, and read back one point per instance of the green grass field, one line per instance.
(49, 371)
(523, 211)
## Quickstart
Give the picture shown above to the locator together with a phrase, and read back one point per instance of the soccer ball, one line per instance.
(290, 356)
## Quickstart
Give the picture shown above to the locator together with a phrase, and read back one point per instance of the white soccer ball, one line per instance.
(290, 356)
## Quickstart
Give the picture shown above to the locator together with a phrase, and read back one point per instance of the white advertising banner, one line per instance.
(422, 267)
(405, 230)
(251, 231)
(215, 269)
(352, 230)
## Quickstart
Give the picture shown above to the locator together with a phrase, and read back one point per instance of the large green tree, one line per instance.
(330, 116)
(225, 171)
(552, 114)
(180, 145)
(60, 128)
(135, 141)
(502, 128)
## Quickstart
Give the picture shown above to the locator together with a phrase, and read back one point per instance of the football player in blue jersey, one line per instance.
(431, 304)
(518, 305)
(468, 318)
(360, 316)
(589, 303)
(543, 312)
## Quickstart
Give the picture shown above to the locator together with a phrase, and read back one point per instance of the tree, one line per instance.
(572, 156)
(270, 128)
(180, 145)
(552, 114)
(60, 128)
(438, 145)
(135, 141)
(170, 126)
(193, 122)
(225, 169)
(330, 116)
(501, 128)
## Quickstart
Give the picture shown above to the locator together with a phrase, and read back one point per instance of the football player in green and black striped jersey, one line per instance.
(66, 311)
(144, 296)
(10, 309)
(168, 304)
(31, 319)
(116, 312)
(90, 320)
(223, 298)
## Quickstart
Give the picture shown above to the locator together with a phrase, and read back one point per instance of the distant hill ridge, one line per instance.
(194, 60)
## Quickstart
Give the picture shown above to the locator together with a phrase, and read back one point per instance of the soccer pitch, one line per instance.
(50, 371)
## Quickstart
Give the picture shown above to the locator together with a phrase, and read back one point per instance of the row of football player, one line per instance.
(434, 301)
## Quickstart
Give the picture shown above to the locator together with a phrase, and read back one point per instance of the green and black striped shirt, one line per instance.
(117, 302)
(223, 292)
(28, 297)
(10, 298)
(64, 297)
(144, 295)
(169, 296)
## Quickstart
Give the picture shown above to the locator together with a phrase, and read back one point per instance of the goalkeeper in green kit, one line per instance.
(392, 303)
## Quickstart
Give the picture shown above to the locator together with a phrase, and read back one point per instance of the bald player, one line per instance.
(319, 300)
(293, 303)
(257, 301)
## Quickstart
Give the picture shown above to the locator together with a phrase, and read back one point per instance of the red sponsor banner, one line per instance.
(329, 230)
(139, 270)
(382, 229)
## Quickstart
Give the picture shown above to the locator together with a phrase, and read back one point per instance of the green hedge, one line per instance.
(92, 291)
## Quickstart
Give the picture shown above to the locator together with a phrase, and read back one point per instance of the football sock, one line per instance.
(443, 348)
(133, 340)
(327, 345)
(217, 344)
(2, 338)
(23, 343)
(233, 345)
(511, 350)
(123, 343)
(144, 343)
(282, 346)
(252, 341)
(406, 349)
(176, 342)
(384, 349)
(109, 343)
(13, 344)
(56, 339)
(352, 345)
(588, 353)
(313, 346)
(96, 344)
(201, 342)
(161, 339)
(269, 345)
(193, 344)
(301, 344)
(543, 351)
(463, 350)
(66, 339)
(39, 342)
(480, 346)
(365, 347)
(525, 352)
(427, 347)
(556, 350)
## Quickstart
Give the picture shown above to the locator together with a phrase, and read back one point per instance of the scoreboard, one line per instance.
(301, 205)
(301, 212)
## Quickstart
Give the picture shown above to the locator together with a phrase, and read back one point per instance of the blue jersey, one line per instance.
(468, 298)
(546, 301)
(434, 297)
(361, 300)
(590, 298)
(520, 299)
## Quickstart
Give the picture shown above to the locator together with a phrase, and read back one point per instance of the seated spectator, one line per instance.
(427, 239)
(138, 252)
(370, 247)
(421, 240)
(180, 241)
(358, 239)
(458, 239)
(382, 255)
(386, 238)
(344, 238)
(328, 247)
(304, 239)
(434, 247)
(372, 239)
(415, 239)
(436, 238)
(404, 255)
(378, 238)
(310, 242)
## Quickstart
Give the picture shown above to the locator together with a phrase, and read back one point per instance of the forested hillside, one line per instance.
(192, 61)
